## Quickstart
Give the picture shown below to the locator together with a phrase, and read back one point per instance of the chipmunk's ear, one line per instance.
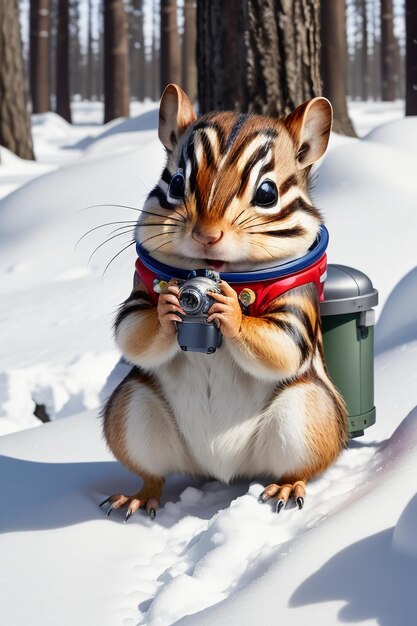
(309, 126)
(176, 113)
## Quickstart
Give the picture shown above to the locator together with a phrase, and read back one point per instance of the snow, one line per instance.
(213, 555)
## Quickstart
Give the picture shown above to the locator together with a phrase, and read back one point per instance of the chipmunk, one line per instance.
(233, 196)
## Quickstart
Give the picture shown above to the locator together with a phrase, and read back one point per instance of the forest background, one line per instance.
(244, 55)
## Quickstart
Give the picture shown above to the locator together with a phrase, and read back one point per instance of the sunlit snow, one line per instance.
(213, 555)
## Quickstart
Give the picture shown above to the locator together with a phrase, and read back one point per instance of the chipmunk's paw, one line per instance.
(147, 498)
(283, 493)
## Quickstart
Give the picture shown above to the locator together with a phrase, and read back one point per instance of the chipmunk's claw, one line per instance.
(280, 505)
(147, 498)
(300, 502)
(263, 497)
(296, 491)
(128, 515)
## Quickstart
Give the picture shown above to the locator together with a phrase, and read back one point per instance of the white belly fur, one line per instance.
(227, 420)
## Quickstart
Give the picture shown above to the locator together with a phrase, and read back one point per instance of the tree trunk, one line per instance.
(39, 55)
(100, 61)
(257, 57)
(334, 63)
(155, 87)
(141, 68)
(136, 50)
(388, 76)
(62, 63)
(376, 56)
(116, 61)
(170, 47)
(76, 82)
(90, 88)
(15, 131)
(189, 50)
(411, 57)
(364, 59)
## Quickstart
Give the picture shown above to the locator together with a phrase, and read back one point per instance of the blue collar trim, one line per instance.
(278, 271)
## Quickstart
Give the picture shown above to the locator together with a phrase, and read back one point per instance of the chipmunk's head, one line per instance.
(233, 195)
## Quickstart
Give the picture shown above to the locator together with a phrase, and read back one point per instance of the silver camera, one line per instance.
(195, 334)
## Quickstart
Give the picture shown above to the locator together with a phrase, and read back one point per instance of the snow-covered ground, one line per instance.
(213, 555)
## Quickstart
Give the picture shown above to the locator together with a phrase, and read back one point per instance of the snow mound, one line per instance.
(400, 134)
(52, 125)
(355, 186)
(64, 389)
(397, 324)
(404, 540)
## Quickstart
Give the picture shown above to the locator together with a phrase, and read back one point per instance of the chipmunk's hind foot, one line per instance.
(147, 498)
(283, 493)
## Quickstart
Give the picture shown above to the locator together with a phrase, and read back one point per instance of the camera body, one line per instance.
(195, 334)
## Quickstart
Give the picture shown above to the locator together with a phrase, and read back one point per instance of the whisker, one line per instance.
(248, 219)
(255, 243)
(102, 226)
(264, 223)
(125, 229)
(97, 206)
(125, 206)
(168, 232)
(165, 216)
(237, 217)
(116, 255)
(164, 244)
(102, 244)
(270, 246)
(140, 225)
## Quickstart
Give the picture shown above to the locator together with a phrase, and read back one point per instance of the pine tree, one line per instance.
(170, 67)
(15, 131)
(39, 55)
(62, 62)
(257, 56)
(137, 49)
(116, 61)
(411, 57)
(334, 63)
(189, 50)
(388, 75)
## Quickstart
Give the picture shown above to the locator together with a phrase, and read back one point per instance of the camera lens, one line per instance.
(190, 301)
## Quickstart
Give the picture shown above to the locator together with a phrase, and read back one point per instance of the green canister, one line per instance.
(348, 333)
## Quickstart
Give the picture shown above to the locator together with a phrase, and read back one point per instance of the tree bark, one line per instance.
(75, 52)
(63, 107)
(137, 50)
(388, 76)
(39, 55)
(15, 131)
(189, 50)
(90, 86)
(334, 63)
(257, 56)
(364, 51)
(170, 66)
(411, 57)
(116, 61)
(155, 87)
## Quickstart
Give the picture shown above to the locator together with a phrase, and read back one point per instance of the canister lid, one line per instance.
(347, 290)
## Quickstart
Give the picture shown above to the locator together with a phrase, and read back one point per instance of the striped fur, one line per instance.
(263, 404)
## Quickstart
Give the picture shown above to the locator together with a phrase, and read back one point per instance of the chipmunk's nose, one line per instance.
(207, 235)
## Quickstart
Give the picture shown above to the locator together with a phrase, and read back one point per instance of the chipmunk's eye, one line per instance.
(266, 195)
(176, 187)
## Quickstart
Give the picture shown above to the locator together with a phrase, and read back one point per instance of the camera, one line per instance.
(195, 334)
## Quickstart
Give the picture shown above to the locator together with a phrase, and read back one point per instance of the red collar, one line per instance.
(265, 290)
